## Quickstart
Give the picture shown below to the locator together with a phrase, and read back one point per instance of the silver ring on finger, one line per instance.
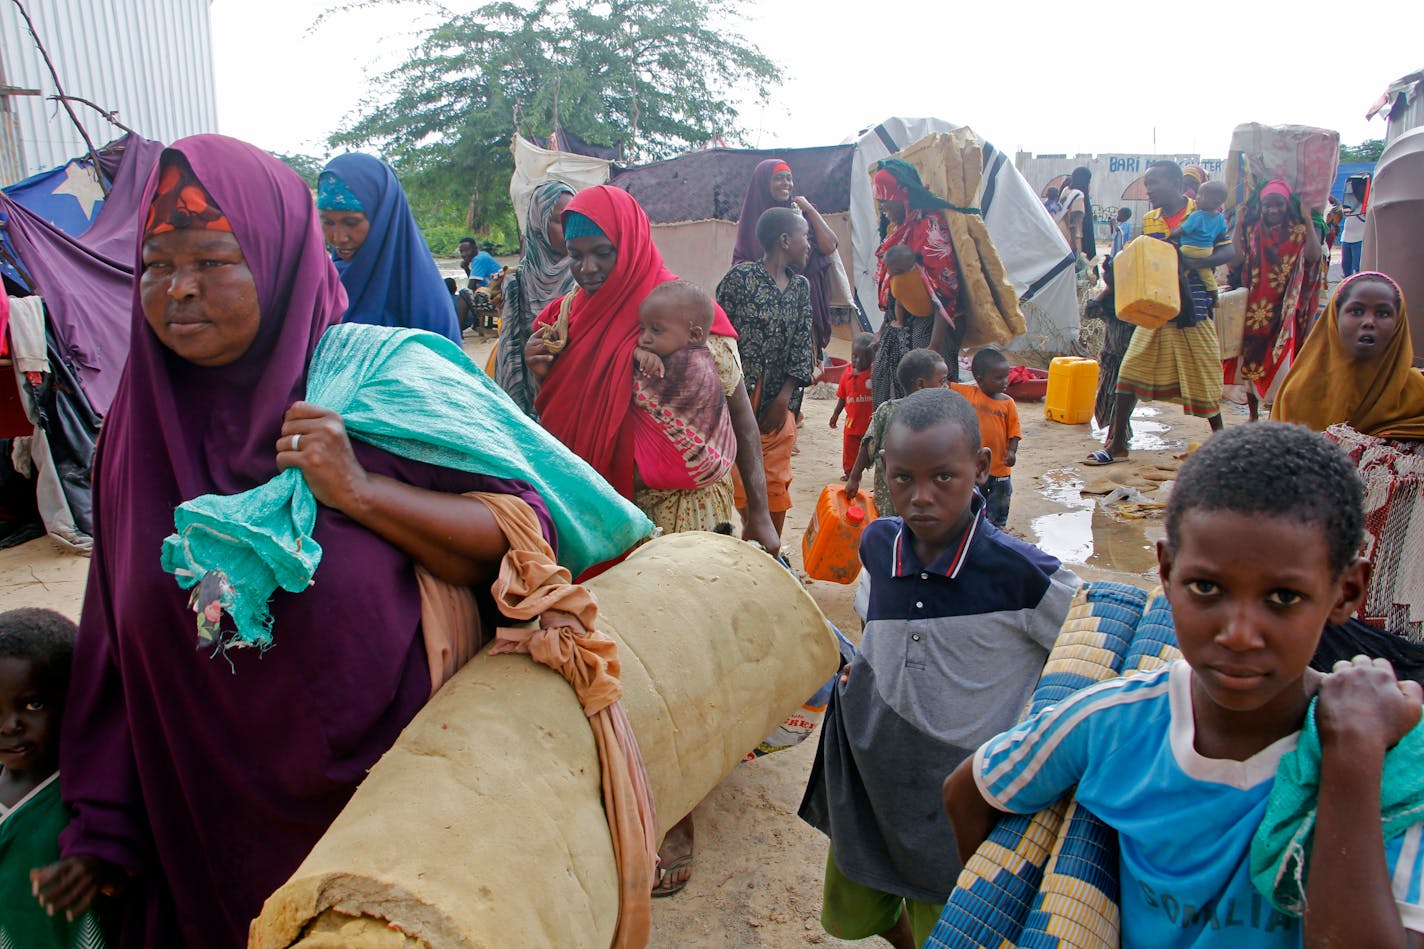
(296, 440)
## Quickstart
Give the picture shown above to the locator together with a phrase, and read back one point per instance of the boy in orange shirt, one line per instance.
(998, 426)
(853, 395)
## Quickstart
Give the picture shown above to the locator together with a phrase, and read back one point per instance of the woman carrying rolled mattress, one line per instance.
(198, 783)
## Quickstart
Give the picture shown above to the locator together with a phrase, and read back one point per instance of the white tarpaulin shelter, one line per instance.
(1033, 250)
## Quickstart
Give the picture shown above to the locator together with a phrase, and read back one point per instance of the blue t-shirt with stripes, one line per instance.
(1184, 821)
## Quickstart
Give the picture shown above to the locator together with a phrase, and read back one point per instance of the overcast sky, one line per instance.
(1021, 73)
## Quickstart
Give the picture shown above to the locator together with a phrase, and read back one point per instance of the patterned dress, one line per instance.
(1283, 294)
(927, 233)
(773, 330)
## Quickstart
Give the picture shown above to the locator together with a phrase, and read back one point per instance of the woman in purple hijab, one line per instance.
(772, 186)
(198, 784)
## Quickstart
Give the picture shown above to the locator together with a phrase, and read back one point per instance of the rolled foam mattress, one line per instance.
(484, 826)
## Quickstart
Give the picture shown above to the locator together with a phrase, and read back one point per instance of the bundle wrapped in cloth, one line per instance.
(951, 164)
(1303, 156)
(484, 825)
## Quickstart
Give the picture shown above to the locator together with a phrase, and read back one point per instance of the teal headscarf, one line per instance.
(580, 225)
(332, 194)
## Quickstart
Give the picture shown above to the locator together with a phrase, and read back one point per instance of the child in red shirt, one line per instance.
(853, 395)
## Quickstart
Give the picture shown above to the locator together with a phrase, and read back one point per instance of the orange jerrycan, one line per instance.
(830, 548)
(1146, 283)
(1072, 390)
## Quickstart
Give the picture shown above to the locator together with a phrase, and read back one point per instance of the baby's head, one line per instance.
(1368, 306)
(921, 369)
(991, 371)
(1051, 194)
(862, 351)
(900, 259)
(933, 461)
(1211, 196)
(1264, 528)
(675, 315)
(35, 650)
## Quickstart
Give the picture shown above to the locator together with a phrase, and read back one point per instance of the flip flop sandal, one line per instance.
(1100, 458)
(665, 872)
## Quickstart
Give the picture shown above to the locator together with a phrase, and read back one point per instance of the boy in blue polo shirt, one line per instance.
(960, 620)
(1181, 762)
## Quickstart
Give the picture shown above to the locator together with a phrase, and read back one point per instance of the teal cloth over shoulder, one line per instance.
(416, 395)
(1280, 851)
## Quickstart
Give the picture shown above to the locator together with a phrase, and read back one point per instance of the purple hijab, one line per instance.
(748, 248)
(211, 781)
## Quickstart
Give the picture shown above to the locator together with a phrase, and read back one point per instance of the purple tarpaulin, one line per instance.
(87, 281)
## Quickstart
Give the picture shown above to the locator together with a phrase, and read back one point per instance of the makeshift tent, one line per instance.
(1394, 229)
(1032, 248)
(694, 201)
(68, 255)
(1402, 105)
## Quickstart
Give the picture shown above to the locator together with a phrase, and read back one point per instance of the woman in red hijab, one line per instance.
(581, 352)
(585, 362)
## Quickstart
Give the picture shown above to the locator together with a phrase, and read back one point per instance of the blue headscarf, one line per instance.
(392, 279)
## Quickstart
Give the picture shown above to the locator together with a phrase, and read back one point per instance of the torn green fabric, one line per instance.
(1280, 851)
(417, 395)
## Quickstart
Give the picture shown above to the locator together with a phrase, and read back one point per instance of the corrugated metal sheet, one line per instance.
(149, 60)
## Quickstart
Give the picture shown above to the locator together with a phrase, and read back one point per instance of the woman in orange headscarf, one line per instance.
(1356, 366)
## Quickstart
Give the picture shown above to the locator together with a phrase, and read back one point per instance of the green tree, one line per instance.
(308, 166)
(1368, 150)
(650, 77)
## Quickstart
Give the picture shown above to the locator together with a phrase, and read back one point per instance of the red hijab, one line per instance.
(585, 400)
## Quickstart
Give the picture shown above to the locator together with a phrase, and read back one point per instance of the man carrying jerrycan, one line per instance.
(1179, 360)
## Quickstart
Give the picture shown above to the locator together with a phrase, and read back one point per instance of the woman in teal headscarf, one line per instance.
(389, 274)
(543, 276)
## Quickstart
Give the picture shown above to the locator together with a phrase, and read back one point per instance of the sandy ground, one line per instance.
(757, 876)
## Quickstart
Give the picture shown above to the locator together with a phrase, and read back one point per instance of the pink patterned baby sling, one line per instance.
(682, 435)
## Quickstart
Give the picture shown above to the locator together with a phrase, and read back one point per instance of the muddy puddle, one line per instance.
(1085, 534)
(1148, 431)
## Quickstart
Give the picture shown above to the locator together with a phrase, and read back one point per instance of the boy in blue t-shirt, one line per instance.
(959, 621)
(1203, 229)
(1181, 762)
